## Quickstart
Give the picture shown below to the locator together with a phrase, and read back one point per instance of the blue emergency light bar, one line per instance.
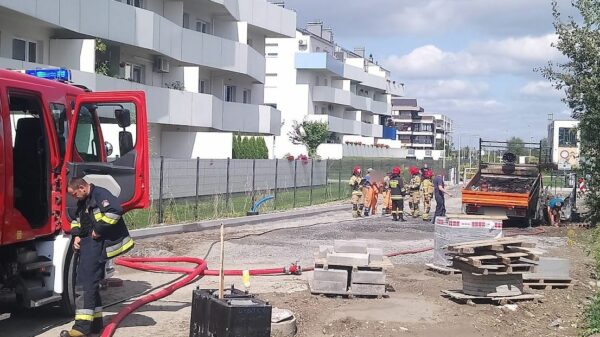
(60, 74)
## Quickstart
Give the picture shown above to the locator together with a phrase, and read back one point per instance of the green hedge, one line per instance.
(249, 148)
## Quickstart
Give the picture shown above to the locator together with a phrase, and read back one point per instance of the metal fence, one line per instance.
(184, 190)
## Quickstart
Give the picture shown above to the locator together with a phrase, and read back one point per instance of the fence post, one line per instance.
(326, 180)
(253, 179)
(160, 190)
(227, 193)
(312, 166)
(295, 175)
(197, 186)
(340, 180)
(275, 192)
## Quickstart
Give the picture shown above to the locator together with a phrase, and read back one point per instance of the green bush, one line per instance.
(249, 148)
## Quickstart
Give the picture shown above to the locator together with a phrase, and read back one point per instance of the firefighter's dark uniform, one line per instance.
(99, 212)
(397, 191)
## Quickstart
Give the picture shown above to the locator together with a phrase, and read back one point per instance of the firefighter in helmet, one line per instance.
(427, 193)
(414, 187)
(356, 185)
(397, 194)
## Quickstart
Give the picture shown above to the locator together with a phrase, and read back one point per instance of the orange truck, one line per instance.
(502, 186)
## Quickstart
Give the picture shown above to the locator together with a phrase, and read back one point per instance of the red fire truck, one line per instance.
(51, 130)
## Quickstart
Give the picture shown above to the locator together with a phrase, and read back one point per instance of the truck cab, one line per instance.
(51, 131)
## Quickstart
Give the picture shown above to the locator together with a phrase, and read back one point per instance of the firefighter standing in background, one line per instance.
(427, 193)
(368, 192)
(356, 185)
(375, 190)
(414, 187)
(99, 233)
(397, 194)
(387, 197)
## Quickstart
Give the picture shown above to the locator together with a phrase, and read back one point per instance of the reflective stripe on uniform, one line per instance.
(84, 315)
(120, 247)
(98, 312)
(75, 224)
(109, 218)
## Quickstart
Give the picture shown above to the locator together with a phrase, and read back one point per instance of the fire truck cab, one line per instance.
(51, 131)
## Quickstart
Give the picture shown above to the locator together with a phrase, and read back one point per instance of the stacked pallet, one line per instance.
(349, 268)
(551, 273)
(494, 268)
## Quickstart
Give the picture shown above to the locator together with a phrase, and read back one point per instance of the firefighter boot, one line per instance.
(394, 216)
(402, 217)
(367, 211)
(72, 333)
(360, 210)
(355, 211)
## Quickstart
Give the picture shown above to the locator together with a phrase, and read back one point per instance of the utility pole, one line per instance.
(458, 168)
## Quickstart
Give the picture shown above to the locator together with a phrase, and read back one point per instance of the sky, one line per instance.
(472, 60)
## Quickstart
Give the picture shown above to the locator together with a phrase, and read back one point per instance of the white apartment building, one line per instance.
(417, 130)
(310, 77)
(563, 138)
(200, 62)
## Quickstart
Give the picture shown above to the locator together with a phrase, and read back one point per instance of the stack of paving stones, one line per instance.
(351, 268)
(494, 268)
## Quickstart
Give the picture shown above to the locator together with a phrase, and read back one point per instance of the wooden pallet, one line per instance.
(442, 269)
(493, 269)
(461, 297)
(496, 245)
(544, 284)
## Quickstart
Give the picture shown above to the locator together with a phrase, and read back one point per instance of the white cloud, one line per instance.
(446, 89)
(510, 56)
(542, 89)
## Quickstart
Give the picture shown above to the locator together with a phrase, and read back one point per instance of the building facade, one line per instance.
(200, 62)
(418, 130)
(563, 139)
(311, 78)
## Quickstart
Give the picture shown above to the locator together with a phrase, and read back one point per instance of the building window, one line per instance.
(229, 93)
(134, 72)
(272, 54)
(24, 50)
(567, 137)
(203, 87)
(186, 20)
(246, 96)
(201, 26)
(135, 3)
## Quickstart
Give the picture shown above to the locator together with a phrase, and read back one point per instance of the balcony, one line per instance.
(348, 126)
(175, 107)
(121, 23)
(268, 17)
(331, 95)
(358, 74)
(319, 61)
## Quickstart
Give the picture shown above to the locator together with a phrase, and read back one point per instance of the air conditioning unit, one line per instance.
(161, 65)
(301, 43)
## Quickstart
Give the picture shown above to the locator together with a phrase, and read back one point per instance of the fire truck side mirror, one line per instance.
(123, 117)
(108, 147)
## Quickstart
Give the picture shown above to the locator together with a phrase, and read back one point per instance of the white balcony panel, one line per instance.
(275, 20)
(238, 117)
(366, 79)
(331, 95)
(360, 102)
(49, 10)
(381, 108)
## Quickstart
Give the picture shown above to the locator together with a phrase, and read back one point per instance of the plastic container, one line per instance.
(238, 314)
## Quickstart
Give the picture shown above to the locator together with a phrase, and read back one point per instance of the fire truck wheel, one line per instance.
(70, 273)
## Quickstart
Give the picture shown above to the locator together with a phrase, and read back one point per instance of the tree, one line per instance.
(579, 78)
(516, 146)
(235, 151)
(309, 134)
